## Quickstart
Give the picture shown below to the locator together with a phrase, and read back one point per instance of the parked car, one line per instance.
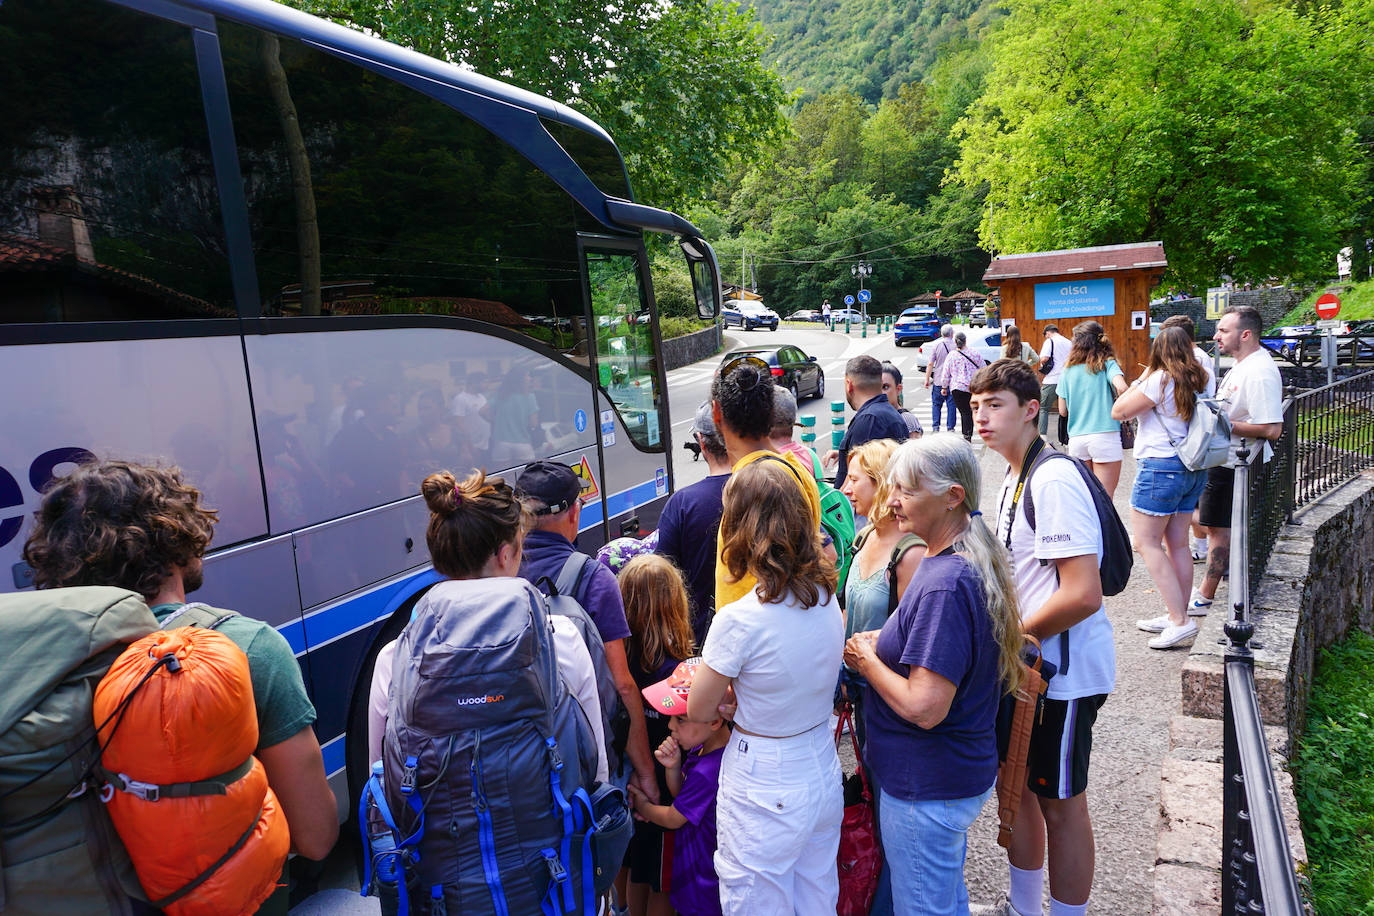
(916, 324)
(748, 314)
(791, 368)
(853, 315)
(987, 341)
(978, 316)
(1288, 339)
(806, 315)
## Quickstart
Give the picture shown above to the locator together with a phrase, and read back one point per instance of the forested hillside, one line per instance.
(867, 47)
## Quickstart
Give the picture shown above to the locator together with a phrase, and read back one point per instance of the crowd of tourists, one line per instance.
(535, 696)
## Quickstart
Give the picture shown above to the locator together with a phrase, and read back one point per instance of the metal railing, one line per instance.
(1328, 438)
(1257, 873)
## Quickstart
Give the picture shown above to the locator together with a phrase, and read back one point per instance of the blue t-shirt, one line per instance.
(687, 531)
(597, 591)
(876, 418)
(1089, 397)
(696, 890)
(942, 625)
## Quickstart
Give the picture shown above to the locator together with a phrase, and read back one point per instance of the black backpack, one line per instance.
(1117, 556)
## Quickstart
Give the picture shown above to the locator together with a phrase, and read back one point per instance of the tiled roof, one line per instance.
(1102, 259)
(19, 253)
(967, 294)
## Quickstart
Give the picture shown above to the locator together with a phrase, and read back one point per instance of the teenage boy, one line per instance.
(691, 758)
(1055, 565)
(1253, 392)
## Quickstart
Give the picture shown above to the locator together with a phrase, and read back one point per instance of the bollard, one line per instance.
(808, 424)
(864, 332)
(837, 422)
(846, 324)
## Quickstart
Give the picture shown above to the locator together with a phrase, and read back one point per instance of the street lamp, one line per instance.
(862, 270)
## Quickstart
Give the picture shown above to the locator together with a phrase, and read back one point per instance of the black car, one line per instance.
(792, 369)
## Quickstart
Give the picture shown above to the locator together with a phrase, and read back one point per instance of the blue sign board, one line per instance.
(1075, 299)
(865, 295)
(580, 420)
(848, 300)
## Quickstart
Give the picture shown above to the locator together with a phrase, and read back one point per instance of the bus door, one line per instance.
(632, 432)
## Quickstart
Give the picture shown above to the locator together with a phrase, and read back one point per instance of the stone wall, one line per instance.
(689, 348)
(1272, 302)
(1318, 584)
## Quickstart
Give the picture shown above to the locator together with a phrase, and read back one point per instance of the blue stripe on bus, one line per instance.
(333, 753)
(618, 503)
(333, 622)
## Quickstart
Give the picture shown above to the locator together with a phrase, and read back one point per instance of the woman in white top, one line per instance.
(1165, 492)
(779, 807)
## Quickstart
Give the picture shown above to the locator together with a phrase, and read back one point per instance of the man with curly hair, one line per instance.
(144, 529)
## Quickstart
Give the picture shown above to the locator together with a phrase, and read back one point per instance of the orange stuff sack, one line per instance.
(188, 798)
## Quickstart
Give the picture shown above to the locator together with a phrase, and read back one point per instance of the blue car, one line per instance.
(916, 325)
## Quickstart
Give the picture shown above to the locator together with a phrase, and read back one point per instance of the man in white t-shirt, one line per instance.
(1253, 390)
(1054, 353)
(1059, 586)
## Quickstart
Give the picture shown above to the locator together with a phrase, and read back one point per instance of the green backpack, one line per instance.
(837, 518)
(58, 849)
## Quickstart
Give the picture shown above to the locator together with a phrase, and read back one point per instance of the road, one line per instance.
(689, 386)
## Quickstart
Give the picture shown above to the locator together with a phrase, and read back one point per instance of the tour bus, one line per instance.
(309, 267)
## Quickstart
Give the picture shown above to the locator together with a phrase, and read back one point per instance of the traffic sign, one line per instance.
(865, 295)
(848, 300)
(1217, 301)
(1328, 305)
(1329, 324)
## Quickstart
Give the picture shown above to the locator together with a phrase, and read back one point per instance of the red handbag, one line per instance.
(861, 855)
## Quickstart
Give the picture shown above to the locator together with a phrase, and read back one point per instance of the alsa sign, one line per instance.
(1075, 299)
(41, 473)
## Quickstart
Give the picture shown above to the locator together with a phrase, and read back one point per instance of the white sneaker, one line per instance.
(1175, 637)
(1198, 605)
(1154, 625)
(1199, 551)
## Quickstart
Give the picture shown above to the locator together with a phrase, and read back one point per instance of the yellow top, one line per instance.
(728, 589)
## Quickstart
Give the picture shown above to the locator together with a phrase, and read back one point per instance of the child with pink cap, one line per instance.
(691, 755)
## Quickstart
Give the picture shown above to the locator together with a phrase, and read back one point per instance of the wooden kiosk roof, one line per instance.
(1102, 259)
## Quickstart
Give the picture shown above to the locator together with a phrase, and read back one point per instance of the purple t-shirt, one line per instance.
(687, 531)
(942, 625)
(695, 890)
(597, 591)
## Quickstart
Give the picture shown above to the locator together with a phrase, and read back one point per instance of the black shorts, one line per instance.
(1214, 506)
(1061, 744)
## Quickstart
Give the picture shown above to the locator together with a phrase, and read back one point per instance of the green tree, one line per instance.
(679, 85)
(1222, 130)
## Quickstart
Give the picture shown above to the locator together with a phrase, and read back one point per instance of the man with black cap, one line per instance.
(551, 492)
(690, 523)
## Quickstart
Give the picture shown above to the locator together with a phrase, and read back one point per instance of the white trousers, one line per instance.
(778, 816)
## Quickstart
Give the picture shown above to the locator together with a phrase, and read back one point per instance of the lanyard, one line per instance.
(1032, 452)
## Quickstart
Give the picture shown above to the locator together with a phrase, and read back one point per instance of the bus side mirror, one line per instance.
(701, 264)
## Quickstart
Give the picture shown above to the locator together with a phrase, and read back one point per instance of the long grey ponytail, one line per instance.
(939, 463)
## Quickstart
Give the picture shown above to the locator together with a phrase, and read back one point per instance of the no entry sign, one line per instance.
(1328, 305)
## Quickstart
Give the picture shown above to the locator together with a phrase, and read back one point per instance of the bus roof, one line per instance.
(495, 105)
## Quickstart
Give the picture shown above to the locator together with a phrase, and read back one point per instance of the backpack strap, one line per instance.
(570, 576)
(196, 614)
(907, 542)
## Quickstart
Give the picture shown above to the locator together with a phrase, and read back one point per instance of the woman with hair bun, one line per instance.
(936, 672)
(1091, 380)
(476, 531)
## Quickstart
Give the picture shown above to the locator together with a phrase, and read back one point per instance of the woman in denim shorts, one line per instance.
(1165, 492)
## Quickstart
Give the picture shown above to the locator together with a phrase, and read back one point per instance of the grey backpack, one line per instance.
(488, 762)
(1207, 444)
(561, 601)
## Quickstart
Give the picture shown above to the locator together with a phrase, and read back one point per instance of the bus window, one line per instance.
(375, 199)
(108, 204)
(625, 343)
